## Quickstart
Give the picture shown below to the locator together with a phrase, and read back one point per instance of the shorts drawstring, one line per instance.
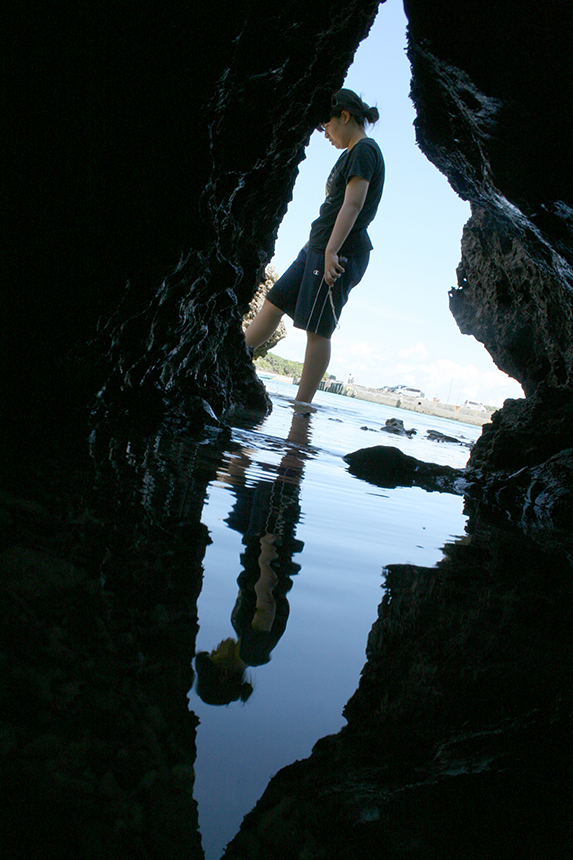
(327, 296)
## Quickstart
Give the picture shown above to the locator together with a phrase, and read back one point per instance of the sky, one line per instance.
(397, 328)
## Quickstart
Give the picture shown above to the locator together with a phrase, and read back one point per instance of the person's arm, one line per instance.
(354, 197)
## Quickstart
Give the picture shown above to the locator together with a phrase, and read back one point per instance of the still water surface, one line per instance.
(326, 538)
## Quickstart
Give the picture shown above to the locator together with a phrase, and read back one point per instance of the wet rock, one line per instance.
(526, 432)
(490, 128)
(498, 277)
(386, 466)
(537, 498)
(396, 426)
(437, 436)
(459, 717)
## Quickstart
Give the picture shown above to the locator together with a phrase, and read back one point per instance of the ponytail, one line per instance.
(371, 115)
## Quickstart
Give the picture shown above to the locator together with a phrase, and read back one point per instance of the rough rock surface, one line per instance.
(519, 310)
(132, 159)
(489, 91)
(157, 146)
(458, 741)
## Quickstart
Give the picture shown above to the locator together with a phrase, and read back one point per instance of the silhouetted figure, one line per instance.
(267, 516)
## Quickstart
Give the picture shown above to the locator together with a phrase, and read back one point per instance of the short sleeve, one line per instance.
(362, 162)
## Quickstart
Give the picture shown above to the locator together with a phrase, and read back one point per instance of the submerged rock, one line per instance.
(437, 436)
(396, 426)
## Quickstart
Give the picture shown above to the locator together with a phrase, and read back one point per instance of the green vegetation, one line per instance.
(282, 366)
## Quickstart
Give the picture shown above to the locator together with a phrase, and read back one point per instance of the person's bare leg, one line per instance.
(316, 360)
(263, 324)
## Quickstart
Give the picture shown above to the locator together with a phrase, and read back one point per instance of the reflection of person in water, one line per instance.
(267, 516)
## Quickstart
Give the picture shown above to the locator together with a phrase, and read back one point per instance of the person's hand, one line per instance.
(333, 268)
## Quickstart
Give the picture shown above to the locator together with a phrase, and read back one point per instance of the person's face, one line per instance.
(336, 130)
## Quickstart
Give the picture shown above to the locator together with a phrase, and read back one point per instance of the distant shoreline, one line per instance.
(388, 398)
(420, 404)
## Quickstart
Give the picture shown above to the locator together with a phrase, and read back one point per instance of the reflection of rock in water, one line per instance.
(98, 742)
(458, 737)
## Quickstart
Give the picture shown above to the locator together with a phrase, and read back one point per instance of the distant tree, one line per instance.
(281, 366)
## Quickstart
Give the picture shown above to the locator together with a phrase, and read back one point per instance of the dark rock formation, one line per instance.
(510, 302)
(539, 499)
(489, 93)
(396, 426)
(489, 118)
(157, 144)
(458, 741)
(386, 466)
(438, 436)
(98, 595)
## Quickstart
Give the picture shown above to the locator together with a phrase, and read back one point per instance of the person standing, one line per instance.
(315, 288)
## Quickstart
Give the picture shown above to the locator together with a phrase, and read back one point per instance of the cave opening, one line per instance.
(397, 328)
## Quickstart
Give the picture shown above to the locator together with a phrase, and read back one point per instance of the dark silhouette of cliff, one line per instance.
(131, 160)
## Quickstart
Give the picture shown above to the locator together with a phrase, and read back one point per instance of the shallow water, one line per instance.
(333, 535)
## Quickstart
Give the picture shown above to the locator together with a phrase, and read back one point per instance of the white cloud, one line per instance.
(418, 351)
(375, 363)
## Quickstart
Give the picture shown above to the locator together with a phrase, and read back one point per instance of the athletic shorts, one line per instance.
(304, 295)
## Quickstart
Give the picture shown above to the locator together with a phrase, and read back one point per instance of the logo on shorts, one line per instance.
(316, 272)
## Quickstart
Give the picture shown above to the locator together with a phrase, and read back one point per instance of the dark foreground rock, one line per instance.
(133, 162)
(99, 577)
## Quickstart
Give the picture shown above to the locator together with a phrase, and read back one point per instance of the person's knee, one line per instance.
(313, 337)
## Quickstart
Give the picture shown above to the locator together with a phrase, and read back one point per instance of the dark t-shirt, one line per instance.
(364, 160)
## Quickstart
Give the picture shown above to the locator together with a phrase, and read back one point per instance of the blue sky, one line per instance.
(397, 327)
